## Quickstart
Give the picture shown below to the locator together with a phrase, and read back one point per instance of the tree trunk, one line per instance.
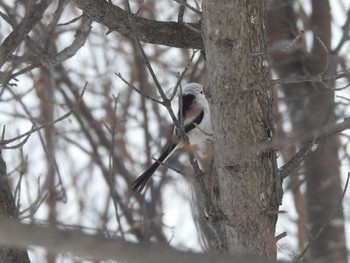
(8, 209)
(311, 107)
(247, 191)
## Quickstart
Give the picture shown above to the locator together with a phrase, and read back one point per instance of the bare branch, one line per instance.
(136, 89)
(35, 129)
(24, 27)
(194, 10)
(71, 21)
(284, 49)
(173, 34)
(300, 156)
(97, 247)
(292, 43)
(280, 236)
(180, 16)
(327, 54)
(79, 41)
(315, 78)
(50, 60)
(182, 75)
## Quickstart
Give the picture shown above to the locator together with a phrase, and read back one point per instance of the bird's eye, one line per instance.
(202, 91)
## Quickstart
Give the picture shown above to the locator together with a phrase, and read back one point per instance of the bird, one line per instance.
(196, 124)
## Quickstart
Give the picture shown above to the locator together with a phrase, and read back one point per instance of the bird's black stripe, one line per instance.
(196, 121)
(187, 101)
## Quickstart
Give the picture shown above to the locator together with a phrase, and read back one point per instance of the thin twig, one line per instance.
(137, 90)
(300, 156)
(3, 133)
(341, 88)
(344, 98)
(180, 16)
(183, 3)
(71, 21)
(201, 130)
(315, 78)
(35, 129)
(280, 236)
(182, 75)
(327, 54)
(192, 28)
(293, 42)
(283, 50)
(10, 76)
(112, 164)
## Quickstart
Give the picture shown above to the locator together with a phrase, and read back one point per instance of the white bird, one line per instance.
(196, 124)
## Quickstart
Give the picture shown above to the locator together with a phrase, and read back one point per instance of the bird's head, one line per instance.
(194, 89)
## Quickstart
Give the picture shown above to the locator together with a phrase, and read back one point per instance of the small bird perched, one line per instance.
(196, 123)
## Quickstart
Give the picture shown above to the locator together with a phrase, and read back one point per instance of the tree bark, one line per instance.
(247, 192)
(172, 34)
(8, 209)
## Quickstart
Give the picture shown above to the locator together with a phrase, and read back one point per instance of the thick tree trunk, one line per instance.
(248, 190)
(8, 209)
(323, 168)
(311, 107)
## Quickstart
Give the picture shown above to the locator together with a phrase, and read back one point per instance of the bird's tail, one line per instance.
(139, 184)
(143, 179)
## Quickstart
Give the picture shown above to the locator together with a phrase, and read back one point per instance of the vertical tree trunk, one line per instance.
(311, 107)
(248, 190)
(323, 167)
(8, 209)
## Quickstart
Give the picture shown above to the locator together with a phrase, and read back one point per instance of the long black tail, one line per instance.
(142, 180)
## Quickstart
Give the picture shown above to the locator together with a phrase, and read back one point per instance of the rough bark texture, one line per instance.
(8, 209)
(172, 34)
(311, 107)
(248, 190)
